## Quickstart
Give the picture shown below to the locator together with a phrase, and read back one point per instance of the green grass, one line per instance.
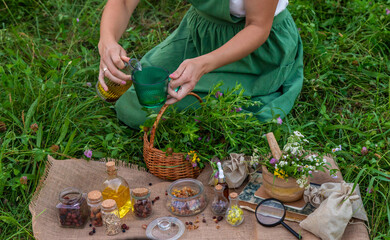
(47, 59)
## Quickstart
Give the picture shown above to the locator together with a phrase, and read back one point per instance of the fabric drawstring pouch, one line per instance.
(334, 211)
(235, 170)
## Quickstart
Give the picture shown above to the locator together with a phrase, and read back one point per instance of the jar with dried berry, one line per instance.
(111, 219)
(220, 204)
(94, 200)
(73, 210)
(141, 202)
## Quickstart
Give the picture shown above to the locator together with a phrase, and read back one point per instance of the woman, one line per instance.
(252, 42)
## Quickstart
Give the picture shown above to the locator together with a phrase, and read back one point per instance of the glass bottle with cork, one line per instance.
(111, 219)
(234, 214)
(115, 187)
(220, 203)
(222, 181)
(73, 210)
(141, 202)
(94, 200)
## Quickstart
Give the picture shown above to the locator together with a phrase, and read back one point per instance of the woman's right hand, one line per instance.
(112, 56)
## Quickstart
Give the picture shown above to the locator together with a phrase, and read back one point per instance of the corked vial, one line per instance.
(111, 218)
(95, 200)
(141, 202)
(234, 214)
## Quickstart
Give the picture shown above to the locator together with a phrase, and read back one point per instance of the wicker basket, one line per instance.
(167, 165)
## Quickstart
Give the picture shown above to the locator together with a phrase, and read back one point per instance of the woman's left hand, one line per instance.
(186, 77)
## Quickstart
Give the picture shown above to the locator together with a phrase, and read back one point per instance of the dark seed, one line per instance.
(186, 223)
(124, 226)
(127, 227)
(190, 223)
(150, 184)
(157, 198)
(91, 233)
(90, 224)
(214, 217)
(166, 193)
(153, 202)
(204, 220)
(94, 230)
(220, 218)
(123, 230)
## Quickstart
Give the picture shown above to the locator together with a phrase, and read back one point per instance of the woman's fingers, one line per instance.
(101, 80)
(114, 71)
(113, 78)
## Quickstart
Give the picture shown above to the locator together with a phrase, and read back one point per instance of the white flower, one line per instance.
(317, 164)
(292, 162)
(324, 160)
(298, 134)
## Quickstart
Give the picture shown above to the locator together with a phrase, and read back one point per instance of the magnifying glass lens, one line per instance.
(270, 212)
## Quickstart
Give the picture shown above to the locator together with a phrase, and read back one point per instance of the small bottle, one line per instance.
(94, 200)
(222, 181)
(220, 203)
(115, 187)
(141, 202)
(111, 218)
(73, 209)
(234, 214)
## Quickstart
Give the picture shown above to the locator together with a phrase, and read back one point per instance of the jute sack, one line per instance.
(315, 196)
(331, 218)
(235, 170)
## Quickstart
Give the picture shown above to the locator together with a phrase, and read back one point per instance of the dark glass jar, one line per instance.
(141, 202)
(73, 210)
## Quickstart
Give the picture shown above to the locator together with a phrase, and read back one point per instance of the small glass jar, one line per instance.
(73, 209)
(94, 200)
(220, 204)
(141, 202)
(234, 214)
(111, 219)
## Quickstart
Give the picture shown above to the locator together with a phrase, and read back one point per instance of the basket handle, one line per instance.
(273, 145)
(159, 115)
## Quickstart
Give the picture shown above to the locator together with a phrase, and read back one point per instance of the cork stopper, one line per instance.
(110, 166)
(94, 195)
(108, 204)
(140, 192)
(233, 195)
(218, 187)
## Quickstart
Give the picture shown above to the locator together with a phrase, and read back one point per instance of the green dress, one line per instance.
(272, 74)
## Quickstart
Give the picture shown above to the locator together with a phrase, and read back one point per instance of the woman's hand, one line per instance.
(112, 56)
(186, 77)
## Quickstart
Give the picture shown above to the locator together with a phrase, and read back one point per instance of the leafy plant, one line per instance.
(297, 162)
(218, 127)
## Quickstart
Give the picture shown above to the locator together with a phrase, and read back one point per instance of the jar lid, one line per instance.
(218, 187)
(110, 166)
(233, 195)
(109, 203)
(140, 192)
(94, 195)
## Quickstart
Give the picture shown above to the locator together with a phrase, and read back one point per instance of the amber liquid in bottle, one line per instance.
(115, 90)
(115, 187)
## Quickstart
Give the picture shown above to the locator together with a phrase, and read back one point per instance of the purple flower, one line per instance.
(188, 157)
(218, 94)
(387, 11)
(369, 190)
(196, 120)
(163, 119)
(77, 19)
(88, 153)
(299, 29)
(89, 84)
(364, 151)
(300, 169)
(199, 138)
(23, 180)
(279, 121)
(273, 161)
(334, 176)
(238, 109)
(310, 172)
(194, 164)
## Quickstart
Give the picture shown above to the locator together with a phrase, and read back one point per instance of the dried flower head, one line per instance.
(23, 180)
(34, 127)
(88, 153)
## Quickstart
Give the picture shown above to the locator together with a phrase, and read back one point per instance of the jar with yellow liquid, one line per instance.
(115, 187)
(116, 90)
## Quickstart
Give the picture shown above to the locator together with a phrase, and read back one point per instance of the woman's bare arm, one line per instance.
(259, 18)
(115, 18)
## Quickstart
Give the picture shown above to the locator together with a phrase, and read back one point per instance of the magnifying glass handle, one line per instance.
(292, 231)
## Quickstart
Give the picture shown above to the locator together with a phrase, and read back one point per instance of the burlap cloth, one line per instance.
(89, 176)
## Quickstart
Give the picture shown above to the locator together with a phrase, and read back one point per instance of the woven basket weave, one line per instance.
(167, 165)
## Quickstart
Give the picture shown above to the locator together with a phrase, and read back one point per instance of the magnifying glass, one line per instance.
(271, 212)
